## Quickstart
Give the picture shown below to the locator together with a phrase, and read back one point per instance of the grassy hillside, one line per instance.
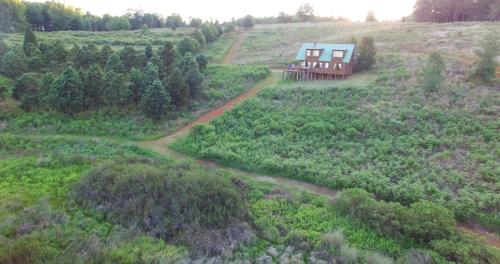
(116, 39)
(276, 45)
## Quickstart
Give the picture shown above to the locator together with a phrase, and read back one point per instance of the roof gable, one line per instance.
(327, 53)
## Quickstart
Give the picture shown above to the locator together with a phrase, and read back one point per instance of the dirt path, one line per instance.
(231, 53)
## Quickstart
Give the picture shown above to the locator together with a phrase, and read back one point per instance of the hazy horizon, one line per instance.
(224, 10)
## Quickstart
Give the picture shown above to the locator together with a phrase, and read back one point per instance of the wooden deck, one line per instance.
(308, 74)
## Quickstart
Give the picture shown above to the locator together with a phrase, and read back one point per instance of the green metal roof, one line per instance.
(327, 53)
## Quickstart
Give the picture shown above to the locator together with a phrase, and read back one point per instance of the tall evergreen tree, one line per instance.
(366, 54)
(188, 44)
(67, 94)
(168, 55)
(136, 84)
(93, 85)
(130, 58)
(47, 81)
(30, 43)
(116, 90)
(115, 64)
(178, 89)
(192, 75)
(155, 100)
(105, 53)
(200, 38)
(150, 75)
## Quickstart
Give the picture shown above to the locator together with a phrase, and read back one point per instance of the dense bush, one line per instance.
(422, 221)
(431, 76)
(384, 139)
(166, 202)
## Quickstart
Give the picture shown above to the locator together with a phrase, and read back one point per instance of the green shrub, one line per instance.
(168, 202)
(431, 76)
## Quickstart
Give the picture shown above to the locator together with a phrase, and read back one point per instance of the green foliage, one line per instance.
(422, 221)
(364, 137)
(198, 36)
(105, 54)
(431, 76)
(229, 28)
(13, 65)
(30, 42)
(294, 222)
(192, 76)
(188, 45)
(209, 32)
(148, 51)
(66, 93)
(366, 52)
(486, 66)
(167, 56)
(28, 91)
(305, 12)
(116, 91)
(12, 15)
(174, 21)
(165, 201)
(131, 58)
(178, 89)
(155, 100)
(115, 64)
(117, 23)
(248, 22)
(93, 86)
(136, 77)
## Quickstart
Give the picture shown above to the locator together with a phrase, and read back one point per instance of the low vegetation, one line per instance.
(390, 137)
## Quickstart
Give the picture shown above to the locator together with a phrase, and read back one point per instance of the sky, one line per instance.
(224, 10)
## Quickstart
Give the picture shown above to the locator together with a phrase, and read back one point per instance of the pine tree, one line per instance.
(136, 84)
(105, 53)
(366, 54)
(168, 55)
(130, 58)
(93, 85)
(431, 76)
(155, 100)
(148, 51)
(115, 64)
(30, 42)
(67, 94)
(178, 89)
(47, 81)
(202, 62)
(116, 90)
(192, 75)
(77, 56)
(150, 75)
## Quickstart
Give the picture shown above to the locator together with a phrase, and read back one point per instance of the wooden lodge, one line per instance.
(319, 61)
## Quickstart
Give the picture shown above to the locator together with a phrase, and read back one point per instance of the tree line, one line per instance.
(456, 10)
(55, 16)
(51, 77)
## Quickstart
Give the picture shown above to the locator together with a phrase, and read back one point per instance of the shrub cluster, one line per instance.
(169, 202)
(423, 221)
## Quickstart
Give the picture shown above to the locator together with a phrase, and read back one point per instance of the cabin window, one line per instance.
(308, 53)
(315, 53)
(337, 66)
(326, 65)
(314, 64)
(321, 64)
(303, 64)
(338, 54)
